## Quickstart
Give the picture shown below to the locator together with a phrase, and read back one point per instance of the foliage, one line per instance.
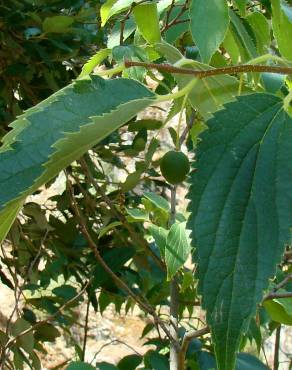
(43, 45)
(119, 233)
(250, 214)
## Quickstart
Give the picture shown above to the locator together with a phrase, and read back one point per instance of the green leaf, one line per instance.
(243, 38)
(105, 229)
(210, 93)
(79, 365)
(7, 218)
(94, 61)
(57, 24)
(105, 10)
(116, 257)
(3, 338)
(177, 248)
(157, 200)
(105, 366)
(173, 134)
(59, 130)
(151, 150)
(4, 280)
(177, 29)
(148, 124)
(280, 310)
(231, 47)
(261, 28)
(254, 332)
(147, 20)
(209, 24)
(241, 4)
(132, 180)
(130, 362)
(156, 361)
(188, 280)
(36, 362)
(47, 333)
(131, 52)
(114, 37)
(18, 360)
(138, 214)
(245, 361)
(206, 361)
(282, 27)
(116, 8)
(65, 291)
(272, 82)
(160, 235)
(241, 209)
(25, 341)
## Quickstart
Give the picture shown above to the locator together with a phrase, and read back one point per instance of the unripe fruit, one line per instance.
(174, 166)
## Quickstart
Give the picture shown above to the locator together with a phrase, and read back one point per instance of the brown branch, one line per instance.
(277, 348)
(176, 20)
(211, 72)
(188, 128)
(174, 296)
(122, 24)
(287, 279)
(274, 295)
(135, 237)
(85, 330)
(119, 282)
(277, 295)
(114, 341)
(50, 318)
(168, 13)
(186, 341)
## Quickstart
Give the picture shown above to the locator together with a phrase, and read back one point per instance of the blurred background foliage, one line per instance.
(44, 43)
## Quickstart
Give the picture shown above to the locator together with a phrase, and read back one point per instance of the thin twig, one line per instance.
(273, 294)
(186, 341)
(287, 279)
(136, 237)
(50, 318)
(254, 68)
(122, 24)
(174, 295)
(265, 355)
(113, 342)
(168, 13)
(277, 348)
(188, 127)
(119, 282)
(85, 330)
(176, 19)
(277, 295)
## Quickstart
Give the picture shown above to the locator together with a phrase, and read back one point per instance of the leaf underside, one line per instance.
(210, 93)
(48, 137)
(241, 212)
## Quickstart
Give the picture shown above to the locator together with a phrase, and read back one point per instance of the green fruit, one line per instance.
(174, 166)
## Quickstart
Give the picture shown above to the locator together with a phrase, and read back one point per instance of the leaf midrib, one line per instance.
(218, 162)
(259, 143)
